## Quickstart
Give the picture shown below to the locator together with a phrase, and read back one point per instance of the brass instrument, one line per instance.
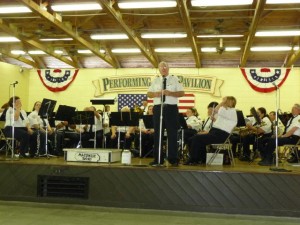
(138, 109)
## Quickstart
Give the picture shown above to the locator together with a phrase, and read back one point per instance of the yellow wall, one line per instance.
(82, 90)
(8, 75)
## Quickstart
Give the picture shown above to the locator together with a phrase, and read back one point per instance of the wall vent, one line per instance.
(60, 186)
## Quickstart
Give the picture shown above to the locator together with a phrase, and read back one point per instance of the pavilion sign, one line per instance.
(129, 83)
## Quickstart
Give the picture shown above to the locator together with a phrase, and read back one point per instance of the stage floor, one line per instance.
(144, 163)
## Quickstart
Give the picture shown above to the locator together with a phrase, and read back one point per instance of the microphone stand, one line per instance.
(13, 122)
(160, 124)
(46, 135)
(276, 168)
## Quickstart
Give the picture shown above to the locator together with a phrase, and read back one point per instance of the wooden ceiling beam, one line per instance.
(56, 21)
(19, 58)
(39, 61)
(252, 30)
(147, 52)
(10, 30)
(184, 12)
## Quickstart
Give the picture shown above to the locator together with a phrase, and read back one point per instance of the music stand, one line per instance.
(148, 123)
(65, 113)
(240, 119)
(83, 117)
(46, 109)
(124, 119)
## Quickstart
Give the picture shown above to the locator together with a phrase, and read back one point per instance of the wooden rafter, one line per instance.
(132, 36)
(57, 23)
(257, 15)
(187, 24)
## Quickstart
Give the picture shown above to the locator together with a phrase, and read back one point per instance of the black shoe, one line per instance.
(190, 163)
(244, 159)
(176, 164)
(292, 159)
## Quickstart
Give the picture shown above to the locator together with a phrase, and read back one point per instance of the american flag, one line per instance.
(130, 100)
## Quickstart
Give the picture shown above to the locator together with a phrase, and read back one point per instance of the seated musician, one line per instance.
(37, 141)
(124, 141)
(207, 124)
(258, 132)
(272, 116)
(147, 135)
(193, 122)
(92, 130)
(16, 117)
(221, 129)
(290, 135)
(70, 133)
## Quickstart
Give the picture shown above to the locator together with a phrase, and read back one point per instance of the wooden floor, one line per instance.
(144, 163)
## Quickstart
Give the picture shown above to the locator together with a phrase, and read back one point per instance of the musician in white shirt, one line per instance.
(290, 136)
(16, 118)
(221, 129)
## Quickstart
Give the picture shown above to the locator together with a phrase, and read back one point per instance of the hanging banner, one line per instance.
(56, 80)
(265, 79)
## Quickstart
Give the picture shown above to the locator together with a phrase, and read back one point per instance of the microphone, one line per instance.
(16, 82)
(275, 85)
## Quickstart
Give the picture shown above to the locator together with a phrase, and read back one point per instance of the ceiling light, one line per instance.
(108, 36)
(277, 33)
(56, 39)
(270, 48)
(173, 50)
(76, 7)
(204, 3)
(86, 51)
(17, 52)
(164, 35)
(36, 52)
(126, 50)
(282, 1)
(221, 36)
(60, 52)
(296, 48)
(9, 39)
(14, 9)
(146, 4)
(209, 49)
(232, 49)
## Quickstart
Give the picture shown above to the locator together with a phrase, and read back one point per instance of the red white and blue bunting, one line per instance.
(56, 80)
(265, 79)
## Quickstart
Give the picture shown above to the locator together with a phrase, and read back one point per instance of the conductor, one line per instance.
(165, 91)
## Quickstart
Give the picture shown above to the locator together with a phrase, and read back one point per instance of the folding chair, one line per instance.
(226, 146)
(292, 149)
(8, 140)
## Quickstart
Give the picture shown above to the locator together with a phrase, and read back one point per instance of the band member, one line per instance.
(16, 118)
(165, 89)
(147, 136)
(258, 132)
(272, 116)
(193, 122)
(220, 131)
(93, 130)
(290, 135)
(121, 136)
(207, 124)
(38, 141)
